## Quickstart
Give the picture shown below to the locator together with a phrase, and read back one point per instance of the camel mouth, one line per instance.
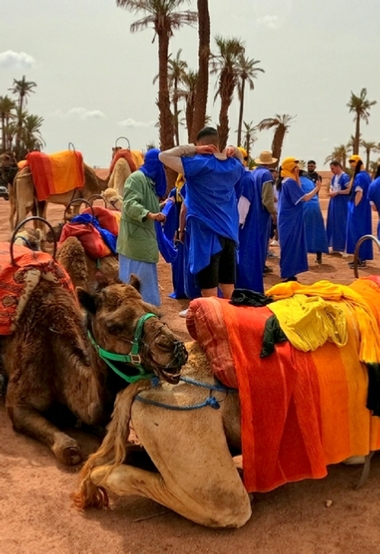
(172, 378)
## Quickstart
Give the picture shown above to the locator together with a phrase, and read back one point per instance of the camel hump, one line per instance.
(72, 257)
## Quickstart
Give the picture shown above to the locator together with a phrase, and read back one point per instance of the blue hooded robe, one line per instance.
(374, 196)
(316, 238)
(359, 220)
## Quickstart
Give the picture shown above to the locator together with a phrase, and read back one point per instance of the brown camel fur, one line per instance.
(50, 362)
(85, 272)
(9, 169)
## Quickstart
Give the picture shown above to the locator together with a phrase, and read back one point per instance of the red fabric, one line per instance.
(12, 284)
(57, 173)
(126, 155)
(107, 219)
(89, 237)
(279, 395)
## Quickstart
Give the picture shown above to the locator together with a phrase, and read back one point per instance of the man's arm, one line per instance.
(267, 198)
(172, 157)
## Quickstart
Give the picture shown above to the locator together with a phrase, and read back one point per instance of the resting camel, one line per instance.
(24, 198)
(52, 360)
(85, 272)
(191, 431)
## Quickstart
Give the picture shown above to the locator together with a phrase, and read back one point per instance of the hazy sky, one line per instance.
(94, 77)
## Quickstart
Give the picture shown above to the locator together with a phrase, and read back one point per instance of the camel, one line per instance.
(121, 170)
(25, 198)
(191, 445)
(112, 199)
(85, 272)
(53, 361)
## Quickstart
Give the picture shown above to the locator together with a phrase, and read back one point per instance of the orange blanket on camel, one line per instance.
(300, 411)
(17, 282)
(56, 173)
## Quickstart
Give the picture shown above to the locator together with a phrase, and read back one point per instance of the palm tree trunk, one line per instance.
(201, 93)
(368, 155)
(165, 115)
(224, 128)
(277, 143)
(357, 135)
(241, 109)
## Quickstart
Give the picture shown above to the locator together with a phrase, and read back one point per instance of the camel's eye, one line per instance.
(115, 328)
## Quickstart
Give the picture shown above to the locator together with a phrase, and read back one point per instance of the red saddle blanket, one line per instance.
(56, 173)
(17, 282)
(125, 154)
(300, 411)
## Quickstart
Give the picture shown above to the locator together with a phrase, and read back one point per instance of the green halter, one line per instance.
(132, 358)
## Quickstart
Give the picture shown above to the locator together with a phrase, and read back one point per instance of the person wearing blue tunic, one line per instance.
(374, 196)
(359, 220)
(256, 211)
(290, 222)
(336, 225)
(212, 216)
(316, 238)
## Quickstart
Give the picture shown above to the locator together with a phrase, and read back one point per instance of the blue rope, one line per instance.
(210, 401)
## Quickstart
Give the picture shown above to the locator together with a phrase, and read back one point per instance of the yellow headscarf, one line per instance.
(287, 168)
(245, 155)
(356, 158)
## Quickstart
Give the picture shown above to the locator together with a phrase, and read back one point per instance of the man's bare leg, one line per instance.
(227, 290)
(209, 292)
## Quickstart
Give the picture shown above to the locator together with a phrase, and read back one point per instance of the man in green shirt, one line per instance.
(137, 243)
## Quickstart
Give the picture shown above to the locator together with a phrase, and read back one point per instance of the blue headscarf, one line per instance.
(154, 169)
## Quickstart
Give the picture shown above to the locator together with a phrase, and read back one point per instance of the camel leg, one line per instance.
(29, 421)
(12, 207)
(197, 477)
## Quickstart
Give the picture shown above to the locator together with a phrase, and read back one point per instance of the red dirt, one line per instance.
(36, 514)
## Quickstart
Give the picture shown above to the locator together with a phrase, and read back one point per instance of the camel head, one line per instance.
(7, 159)
(121, 323)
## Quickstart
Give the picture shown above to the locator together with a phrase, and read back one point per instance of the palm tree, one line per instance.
(7, 109)
(201, 92)
(163, 16)
(31, 133)
(22, 89)
(280, 124)
(360, 106)
(224, 64)
(249, 136)
(339, 154)
(246, 72)
(176, 73)
(368, 147)
(190, 81)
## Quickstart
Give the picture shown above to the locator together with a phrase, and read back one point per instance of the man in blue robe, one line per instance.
(256, 211)
(212, 216)
(336, 226)
(374, 197)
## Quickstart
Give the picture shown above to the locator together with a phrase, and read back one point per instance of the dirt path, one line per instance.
(36, 516)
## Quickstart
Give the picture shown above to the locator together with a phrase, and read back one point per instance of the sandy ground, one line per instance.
(36, 515)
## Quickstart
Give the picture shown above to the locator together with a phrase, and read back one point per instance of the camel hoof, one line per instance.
(68, 452)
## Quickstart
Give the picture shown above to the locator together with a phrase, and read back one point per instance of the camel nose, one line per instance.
(180, 353)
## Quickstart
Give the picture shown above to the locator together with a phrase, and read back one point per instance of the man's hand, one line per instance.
(206, 149)
(318, 185)
(333, 193)
(274, 218)
(230, 151)
(157, 217)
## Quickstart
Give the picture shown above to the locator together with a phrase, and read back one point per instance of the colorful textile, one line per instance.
(88, 234)
(316, 238)
(211, 205)
(359, 220)
(291, 229)
(336, 225)
(107, 219)
(56, 173)
(292, 402)
(125, 154)
(18, 282)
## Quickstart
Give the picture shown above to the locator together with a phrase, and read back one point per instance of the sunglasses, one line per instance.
(351, 161)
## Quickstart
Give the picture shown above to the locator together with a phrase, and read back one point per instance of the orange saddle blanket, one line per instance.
(56, 173)
(17, 282)
(300, 411)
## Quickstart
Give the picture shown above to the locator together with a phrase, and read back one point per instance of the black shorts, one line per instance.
(222, 268)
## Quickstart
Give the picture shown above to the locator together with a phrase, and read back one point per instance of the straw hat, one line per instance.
(265, 158)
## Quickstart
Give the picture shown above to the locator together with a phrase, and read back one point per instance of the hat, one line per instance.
(355, 158)
(265, 158)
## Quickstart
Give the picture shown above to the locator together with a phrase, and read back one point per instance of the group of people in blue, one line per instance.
(217, 221)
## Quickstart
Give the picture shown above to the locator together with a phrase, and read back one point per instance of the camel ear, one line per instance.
(86, 300)
(151, 309)
(134, 281)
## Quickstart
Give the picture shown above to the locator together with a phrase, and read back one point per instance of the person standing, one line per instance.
(359, 219)
(291, 226)
(256, 211)
(137, 243)
(374, 197)
(312, 173)
(336, 225)
(316, 238)
(212, 216)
